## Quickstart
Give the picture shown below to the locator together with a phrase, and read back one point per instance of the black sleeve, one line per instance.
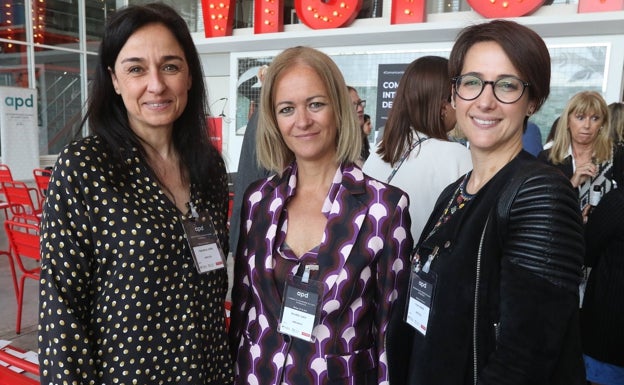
(539, 276)
(604, 220)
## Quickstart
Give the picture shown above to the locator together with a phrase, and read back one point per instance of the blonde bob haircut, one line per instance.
(583, 103)
(272, 152)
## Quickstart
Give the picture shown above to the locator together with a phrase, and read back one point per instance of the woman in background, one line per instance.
(583, 148)
(602, 316)
(616, 121)
(415, 153)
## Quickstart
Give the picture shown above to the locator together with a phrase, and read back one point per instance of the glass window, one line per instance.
(55, 22)
(190, 10)
(60, 98)
(13, 64)
(12, 22)
(96, 14)
(574, 68)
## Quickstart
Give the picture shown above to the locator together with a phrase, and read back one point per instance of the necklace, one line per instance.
(457, 202)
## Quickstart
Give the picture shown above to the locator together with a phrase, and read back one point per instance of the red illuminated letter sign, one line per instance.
(407, 11)
(218, 17)
(268, 16)
(495, 9)
(320, 14)
(585, 6)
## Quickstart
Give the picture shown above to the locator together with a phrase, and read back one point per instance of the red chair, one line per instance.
(11, 377)
(19, 197)
(23, 235)
(5, 176)
(42, 179)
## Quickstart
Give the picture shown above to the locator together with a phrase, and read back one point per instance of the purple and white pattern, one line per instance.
(363, 260)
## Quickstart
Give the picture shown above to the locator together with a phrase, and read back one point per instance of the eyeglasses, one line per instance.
(506, 90)
(359, 103)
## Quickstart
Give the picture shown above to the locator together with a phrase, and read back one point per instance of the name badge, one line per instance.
(421, 288)
(203, 242)
(301, 308)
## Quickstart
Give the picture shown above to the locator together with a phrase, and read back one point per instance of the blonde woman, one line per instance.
(583, 148)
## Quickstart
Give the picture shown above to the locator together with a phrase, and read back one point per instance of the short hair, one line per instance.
(581, 103)
(423, 89)
(524, 47)
(616, 121)
(272, 152)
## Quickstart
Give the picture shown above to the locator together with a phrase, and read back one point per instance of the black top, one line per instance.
(602, 317)
(120, 298)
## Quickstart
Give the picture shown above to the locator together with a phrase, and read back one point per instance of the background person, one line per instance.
(121, 297)
(248, 169)
(616, 121)
(320, 228)
(503, 246)
(415, 153)
(602, 316)
(583, 148)
(532, 139)
(368, 125)
(359, 105)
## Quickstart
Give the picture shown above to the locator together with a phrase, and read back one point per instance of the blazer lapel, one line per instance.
(272, 206)
(342, 231)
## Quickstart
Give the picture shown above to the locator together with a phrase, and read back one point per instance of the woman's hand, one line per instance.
(582, 173)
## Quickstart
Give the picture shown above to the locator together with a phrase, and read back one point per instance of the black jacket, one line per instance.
(527, 326)
(602, 316)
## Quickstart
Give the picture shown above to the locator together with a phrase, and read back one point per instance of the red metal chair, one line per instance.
(5, 176)
(23, 235)
(11, 377)
(42, 179)
(19, 197)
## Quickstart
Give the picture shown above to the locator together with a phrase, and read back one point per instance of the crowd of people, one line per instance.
(422, 260)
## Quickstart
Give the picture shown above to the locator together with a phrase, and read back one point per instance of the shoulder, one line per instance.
(540, 224)
(375, 166)
(538, 178)
(83, 152)
(528, 185)
(446, 151)
(356, 181)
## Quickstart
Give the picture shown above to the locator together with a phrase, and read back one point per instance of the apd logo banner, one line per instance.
(19, 133)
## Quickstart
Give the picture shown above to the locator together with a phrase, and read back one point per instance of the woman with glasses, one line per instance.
(493, 292)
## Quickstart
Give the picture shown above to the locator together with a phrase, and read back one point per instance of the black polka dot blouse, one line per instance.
(121, 301)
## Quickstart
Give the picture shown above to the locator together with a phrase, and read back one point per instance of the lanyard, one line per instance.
(405, 155)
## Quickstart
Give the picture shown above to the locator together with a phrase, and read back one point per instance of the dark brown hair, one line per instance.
(524, 47)
(423, 90)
